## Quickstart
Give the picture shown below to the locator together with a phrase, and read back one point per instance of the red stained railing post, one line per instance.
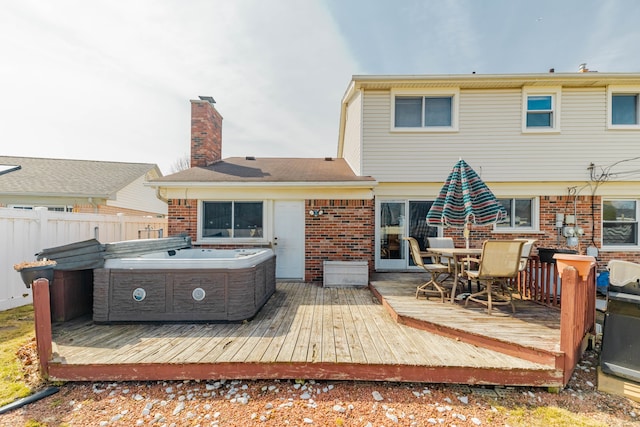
(42, 315)
(577, 313)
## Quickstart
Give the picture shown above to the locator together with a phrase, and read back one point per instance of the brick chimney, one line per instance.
(206, 132)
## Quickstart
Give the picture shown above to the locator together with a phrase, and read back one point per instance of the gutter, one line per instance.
(297, 184)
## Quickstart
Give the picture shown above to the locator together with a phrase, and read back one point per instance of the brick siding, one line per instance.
(588, 214)
(344, 232)
(206, 134)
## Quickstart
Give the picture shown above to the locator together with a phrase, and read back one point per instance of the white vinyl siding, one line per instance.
(137, 196)
(352, 145)
(491, 140)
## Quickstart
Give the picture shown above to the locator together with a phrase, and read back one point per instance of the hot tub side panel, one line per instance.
(249, 289)
(101, 279)
(229, 294)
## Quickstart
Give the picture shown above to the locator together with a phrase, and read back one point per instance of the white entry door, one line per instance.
(288, 239)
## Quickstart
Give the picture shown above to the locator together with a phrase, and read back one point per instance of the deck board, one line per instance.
(352, 340)
(305, 321)
(293, 333)
(303, 325)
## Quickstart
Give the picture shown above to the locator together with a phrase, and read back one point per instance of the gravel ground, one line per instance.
(330, 403)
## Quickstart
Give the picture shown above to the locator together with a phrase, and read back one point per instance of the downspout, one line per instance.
(160, 196)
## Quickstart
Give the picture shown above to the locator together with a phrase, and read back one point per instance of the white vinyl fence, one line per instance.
(23, 233)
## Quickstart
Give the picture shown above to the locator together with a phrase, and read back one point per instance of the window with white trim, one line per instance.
(232, 219)
(522, 214)
(425, 111)
(624, 108)
(620, 222)
(541, 110)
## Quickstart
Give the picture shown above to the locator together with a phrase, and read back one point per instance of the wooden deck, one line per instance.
(306, 331)
(532, 332)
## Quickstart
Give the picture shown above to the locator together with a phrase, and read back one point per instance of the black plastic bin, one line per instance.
(546, 254)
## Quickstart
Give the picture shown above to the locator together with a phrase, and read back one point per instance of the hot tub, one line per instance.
(185, 285)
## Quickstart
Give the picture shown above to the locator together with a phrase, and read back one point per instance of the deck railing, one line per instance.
(540, 282)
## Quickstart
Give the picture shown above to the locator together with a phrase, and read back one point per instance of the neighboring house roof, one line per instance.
(62, 177)
(269, 170)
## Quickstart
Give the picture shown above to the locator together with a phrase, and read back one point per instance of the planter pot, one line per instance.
(30, 274)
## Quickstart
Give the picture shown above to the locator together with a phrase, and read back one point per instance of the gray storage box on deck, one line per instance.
(346, 273)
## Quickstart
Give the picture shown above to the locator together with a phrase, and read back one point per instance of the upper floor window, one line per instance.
(232, 219)
(620, 223)
(432, 111)
(541, 110)
(522, 214)
(623, 111)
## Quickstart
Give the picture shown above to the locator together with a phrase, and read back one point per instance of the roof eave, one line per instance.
(271, 184)
(49, 194)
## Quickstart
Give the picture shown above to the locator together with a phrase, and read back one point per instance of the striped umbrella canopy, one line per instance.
(465, 199)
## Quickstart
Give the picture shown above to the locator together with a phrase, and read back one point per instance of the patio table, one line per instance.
(459, 256)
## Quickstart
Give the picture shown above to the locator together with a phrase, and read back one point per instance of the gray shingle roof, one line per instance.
(88, 178)
(269, 169)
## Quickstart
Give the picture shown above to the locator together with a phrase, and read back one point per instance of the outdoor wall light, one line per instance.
(316, 212)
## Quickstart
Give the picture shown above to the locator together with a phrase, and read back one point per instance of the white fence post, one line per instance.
(43, 225)
(122, 226)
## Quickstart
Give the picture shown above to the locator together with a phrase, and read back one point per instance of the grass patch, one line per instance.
(547, 416)
(16, 330)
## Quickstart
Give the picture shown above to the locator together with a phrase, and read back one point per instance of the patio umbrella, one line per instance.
(465, 199)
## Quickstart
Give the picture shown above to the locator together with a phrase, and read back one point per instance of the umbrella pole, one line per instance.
(465, 233)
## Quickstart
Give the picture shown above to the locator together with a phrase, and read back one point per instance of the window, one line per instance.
(623, 111)
(232, 219)
(521, 214)
(433, 111)
(541, 110)
(620, 223)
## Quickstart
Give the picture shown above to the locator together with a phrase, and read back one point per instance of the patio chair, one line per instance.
(434, 286)
(500, 261)
(442, 243)
(524, 258)
(526, 252)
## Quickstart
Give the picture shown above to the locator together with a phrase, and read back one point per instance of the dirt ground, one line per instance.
(321, 403)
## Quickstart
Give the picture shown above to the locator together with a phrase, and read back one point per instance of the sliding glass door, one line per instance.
(397, 219)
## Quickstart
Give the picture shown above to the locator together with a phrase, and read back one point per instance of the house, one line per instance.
(85, 186)
(308, 210)
(560, 151)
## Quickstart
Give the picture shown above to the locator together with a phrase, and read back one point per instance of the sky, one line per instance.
(111, 80)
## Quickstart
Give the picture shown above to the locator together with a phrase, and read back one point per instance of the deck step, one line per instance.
(532, 333)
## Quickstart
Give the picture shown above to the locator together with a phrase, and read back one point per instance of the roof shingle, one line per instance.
(269, 169)
(88, 178)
